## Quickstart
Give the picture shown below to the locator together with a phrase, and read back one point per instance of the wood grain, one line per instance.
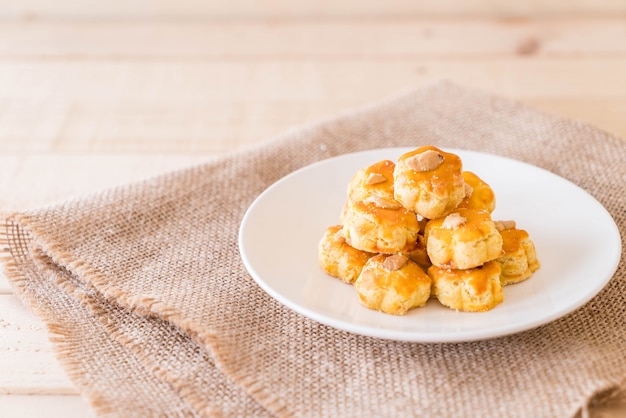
(97, 94)
(27, 362)
(215, 87)
(323, 40)
(250, 9)
(22, 406)
(105, 106)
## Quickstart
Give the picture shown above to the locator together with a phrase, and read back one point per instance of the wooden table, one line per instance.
(99, 96)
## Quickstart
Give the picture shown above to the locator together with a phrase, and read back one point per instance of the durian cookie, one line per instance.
(478, 194)
(339, 259)
(374, 180)
(429, 181)
(519, 259)
(379, 225)
(392, 284)
(471, 290)
(464, 239)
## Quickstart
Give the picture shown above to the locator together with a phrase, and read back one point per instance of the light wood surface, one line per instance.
(97, 94)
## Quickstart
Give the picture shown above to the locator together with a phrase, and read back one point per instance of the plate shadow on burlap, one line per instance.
(152, 312)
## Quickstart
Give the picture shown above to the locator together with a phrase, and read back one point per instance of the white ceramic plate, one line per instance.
(577, 243)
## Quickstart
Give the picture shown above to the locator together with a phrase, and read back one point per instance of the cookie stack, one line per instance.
(421, 227)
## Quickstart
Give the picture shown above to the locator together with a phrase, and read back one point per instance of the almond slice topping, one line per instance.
(339, 237)
(394, 262)
(468, 190)
(453, 220)
(504, 225)
(425, 161)
(375, 178)
(383, 203)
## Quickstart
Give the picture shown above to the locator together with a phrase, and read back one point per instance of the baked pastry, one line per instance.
(375, 180)
(418, 253)
(464, 239)
(379, 225)
(429, 181)
(478, 194)
(424, 213)
(337, 258)
(392, 284)
(471, 290)
(519, 259)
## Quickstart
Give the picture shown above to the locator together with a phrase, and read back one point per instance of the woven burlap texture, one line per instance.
(152, 312)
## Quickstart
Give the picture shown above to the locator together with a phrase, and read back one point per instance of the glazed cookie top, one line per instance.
(394, 272)
(463, 224)
(478, 194)
(380, 225)
(388, 211)
(433, 169)
(375, 180)
(512, 240)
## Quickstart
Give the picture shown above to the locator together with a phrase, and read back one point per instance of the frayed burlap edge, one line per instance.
(57, 333)
(142, 306)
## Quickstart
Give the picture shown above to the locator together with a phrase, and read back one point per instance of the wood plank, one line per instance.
(28, 363)
(20, 406)
(212, 107)
(306, 81)
(129, 98)
(9, 164)
(250, 9)
(8, 168)
(320, 39)
(140, 126)
(5, 287)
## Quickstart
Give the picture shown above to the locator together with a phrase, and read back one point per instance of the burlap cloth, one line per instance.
(153, 314)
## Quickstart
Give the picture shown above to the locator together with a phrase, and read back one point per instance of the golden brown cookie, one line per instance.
(379, 225)
(478, 194)
(519, 260)
(429, 181)
(464, 239)
(471, 290)
(392, 284)
(375, 180)
(337, 258)
(418, 253)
